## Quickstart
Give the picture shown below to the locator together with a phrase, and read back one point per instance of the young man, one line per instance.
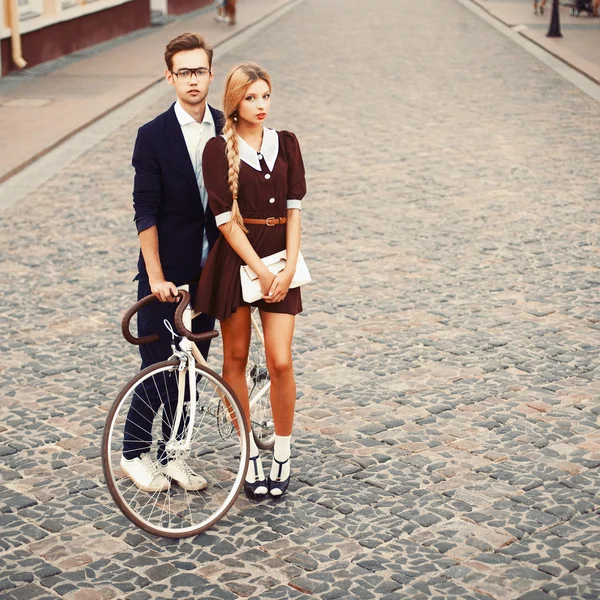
(176, 230)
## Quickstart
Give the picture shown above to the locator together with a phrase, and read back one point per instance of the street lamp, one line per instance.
(554, 30)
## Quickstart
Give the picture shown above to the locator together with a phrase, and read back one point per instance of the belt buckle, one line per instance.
(271, 219)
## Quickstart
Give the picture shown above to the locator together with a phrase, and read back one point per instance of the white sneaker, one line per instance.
(143, 471)
(180, 471)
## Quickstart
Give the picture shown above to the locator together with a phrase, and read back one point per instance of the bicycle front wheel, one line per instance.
(211, 439)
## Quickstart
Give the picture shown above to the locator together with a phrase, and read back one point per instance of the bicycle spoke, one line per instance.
(147, 408)
(154, 497)
(146, 403)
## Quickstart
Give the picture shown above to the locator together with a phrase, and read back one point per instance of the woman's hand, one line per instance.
(280, 286)
(266, 279)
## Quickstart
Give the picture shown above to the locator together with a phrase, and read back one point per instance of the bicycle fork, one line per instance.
(187, 367)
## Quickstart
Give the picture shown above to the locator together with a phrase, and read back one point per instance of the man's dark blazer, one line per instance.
(165, 194)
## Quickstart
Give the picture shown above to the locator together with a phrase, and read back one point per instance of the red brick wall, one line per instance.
(179, 7)
(66, 37)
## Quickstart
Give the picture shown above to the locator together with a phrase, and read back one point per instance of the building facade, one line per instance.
(35, 31)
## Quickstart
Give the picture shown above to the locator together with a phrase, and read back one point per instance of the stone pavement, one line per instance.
(579, 45)
(447, 443)
(68, 94)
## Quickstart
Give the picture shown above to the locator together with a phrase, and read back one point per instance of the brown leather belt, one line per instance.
(270, 222)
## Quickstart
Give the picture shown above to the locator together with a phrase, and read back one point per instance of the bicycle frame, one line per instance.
(188, 354)
(190, 347)
(188, 351)
(186, 360)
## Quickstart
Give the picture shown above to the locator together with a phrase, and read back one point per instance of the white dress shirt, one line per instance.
(196, 135)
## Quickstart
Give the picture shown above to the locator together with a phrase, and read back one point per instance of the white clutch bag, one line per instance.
(251, 291)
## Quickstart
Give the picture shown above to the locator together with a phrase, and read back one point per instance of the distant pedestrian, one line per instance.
(255, 182)
(221, 15)
(539, 6)
(230, 9)
(176, 230)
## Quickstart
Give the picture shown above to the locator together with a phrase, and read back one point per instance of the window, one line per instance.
(30, 9)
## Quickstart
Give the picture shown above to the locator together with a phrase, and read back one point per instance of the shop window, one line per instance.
(30, 9)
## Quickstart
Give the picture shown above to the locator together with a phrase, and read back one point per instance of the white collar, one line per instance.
(185, 119)
(269, 149)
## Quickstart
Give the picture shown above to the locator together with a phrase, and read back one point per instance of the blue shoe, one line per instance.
(277, 484)
(250, 488)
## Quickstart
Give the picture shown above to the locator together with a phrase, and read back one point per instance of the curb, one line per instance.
(237, 33)
(557, 53)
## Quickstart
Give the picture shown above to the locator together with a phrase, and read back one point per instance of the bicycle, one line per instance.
(197, 417)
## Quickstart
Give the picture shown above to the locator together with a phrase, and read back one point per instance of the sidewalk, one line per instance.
(41, 107)
(580, 45)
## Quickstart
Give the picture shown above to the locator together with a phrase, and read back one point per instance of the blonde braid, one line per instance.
(238, 80)
(233, 175)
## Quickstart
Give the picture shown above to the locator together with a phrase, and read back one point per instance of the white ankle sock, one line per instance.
(251, 473)
(281, 452)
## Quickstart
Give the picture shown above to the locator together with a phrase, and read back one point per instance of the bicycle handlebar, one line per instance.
(193, 337)
(147, 339)
(184, 298)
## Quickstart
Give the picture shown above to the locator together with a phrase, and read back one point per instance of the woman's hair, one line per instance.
(187, 41)
(238, 80)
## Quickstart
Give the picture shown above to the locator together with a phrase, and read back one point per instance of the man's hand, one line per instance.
(165, 291)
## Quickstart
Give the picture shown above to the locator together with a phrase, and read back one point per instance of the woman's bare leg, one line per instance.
(236, 341)
(279, 331)
(231, 11)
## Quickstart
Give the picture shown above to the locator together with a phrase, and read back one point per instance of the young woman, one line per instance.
(254, 177)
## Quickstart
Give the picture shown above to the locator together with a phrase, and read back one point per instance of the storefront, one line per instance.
(48, 29)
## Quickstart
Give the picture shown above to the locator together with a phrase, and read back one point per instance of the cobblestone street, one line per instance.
(447, 443)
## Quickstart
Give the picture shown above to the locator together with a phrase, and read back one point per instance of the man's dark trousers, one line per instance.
(147, 398)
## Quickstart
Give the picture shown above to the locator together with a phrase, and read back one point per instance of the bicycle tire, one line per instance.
(177, 513)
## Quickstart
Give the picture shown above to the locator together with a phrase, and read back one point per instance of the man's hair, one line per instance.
(187, 41)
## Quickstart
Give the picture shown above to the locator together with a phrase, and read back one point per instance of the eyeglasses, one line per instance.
(200, 73)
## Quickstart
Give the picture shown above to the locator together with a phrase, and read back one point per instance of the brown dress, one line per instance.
(263, 192)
